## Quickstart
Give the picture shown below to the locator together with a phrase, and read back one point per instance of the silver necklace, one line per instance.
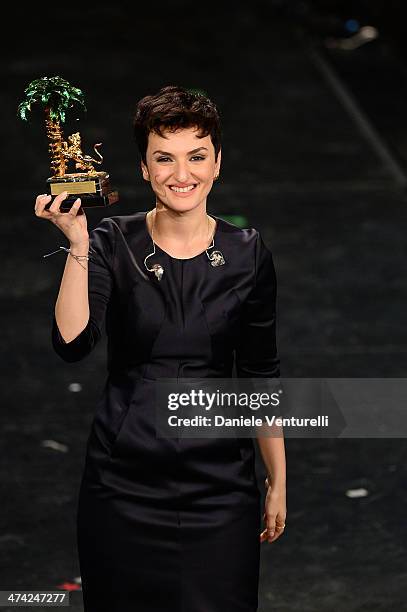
(216, 257)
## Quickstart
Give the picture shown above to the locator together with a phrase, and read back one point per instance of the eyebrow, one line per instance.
(189, 152)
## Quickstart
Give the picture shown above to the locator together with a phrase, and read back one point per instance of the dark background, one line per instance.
(315, 156)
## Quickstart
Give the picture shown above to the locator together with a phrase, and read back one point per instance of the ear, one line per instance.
(218, 161)
(144, 170)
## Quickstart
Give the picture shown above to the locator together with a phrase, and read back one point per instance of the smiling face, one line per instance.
(181, 167)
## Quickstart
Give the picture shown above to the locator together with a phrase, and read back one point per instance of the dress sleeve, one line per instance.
(256, 349)
(100, 283)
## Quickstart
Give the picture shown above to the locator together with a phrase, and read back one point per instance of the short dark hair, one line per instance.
(174, 107)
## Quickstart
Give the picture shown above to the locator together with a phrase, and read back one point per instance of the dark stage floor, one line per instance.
(328, 196)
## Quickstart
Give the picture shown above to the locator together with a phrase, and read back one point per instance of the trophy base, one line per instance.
(94, 190)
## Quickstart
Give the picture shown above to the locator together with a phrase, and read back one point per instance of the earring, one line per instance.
(215, 178)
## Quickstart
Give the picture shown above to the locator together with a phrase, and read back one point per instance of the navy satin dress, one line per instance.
(171, 525)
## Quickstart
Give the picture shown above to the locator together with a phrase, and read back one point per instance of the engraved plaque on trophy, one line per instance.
(92, 186)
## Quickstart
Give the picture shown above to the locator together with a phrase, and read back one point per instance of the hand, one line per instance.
(72, 223)
(275, 512)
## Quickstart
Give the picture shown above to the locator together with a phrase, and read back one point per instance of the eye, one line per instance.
(163, 159)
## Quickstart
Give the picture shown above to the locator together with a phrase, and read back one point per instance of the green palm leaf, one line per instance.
(54, 93)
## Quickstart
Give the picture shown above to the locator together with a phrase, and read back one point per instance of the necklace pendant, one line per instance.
(158, 271)
(216, 259)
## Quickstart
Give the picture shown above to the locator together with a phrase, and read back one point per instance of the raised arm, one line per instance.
(84, 294)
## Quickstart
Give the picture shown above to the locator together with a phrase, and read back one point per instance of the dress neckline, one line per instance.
(182, 258)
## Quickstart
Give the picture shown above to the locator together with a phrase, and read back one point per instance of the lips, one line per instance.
(181, 186)
(185, 188)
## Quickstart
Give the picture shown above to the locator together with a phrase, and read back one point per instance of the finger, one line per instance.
(75, 207)
(40, 203)
(57, 202)
(38, 198)
(280, 520)
(276, 535)
(271, 525)
(263, 536)
(275, 530)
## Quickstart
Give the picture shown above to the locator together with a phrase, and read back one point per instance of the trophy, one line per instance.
(93, 187)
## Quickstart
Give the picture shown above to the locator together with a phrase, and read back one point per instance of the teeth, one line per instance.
(182, 189)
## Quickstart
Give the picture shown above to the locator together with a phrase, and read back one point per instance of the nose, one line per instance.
(181, 172)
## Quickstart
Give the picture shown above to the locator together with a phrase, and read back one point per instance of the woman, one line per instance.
(164, 524)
